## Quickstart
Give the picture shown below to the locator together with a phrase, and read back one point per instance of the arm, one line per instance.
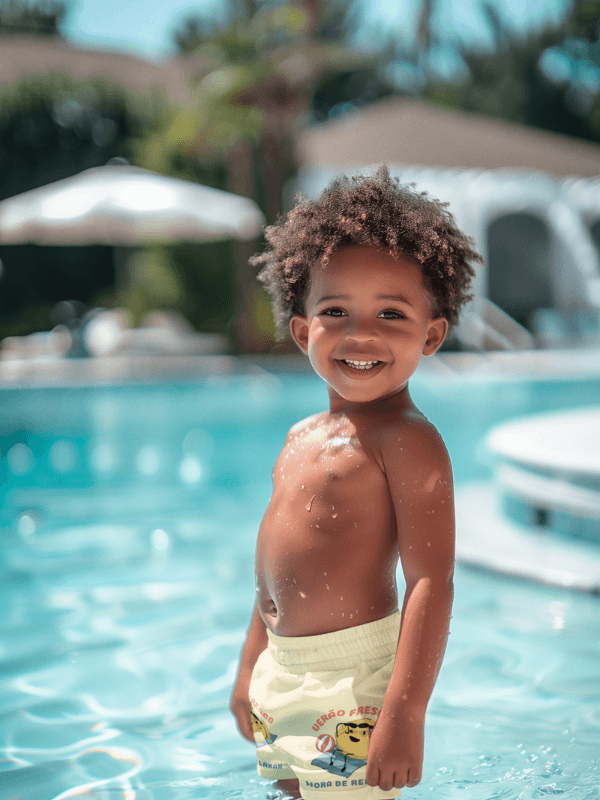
(256, 642)
(420, 481)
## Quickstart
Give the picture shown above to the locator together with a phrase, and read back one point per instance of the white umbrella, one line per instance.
(125, 206)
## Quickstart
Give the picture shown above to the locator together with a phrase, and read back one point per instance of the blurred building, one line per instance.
(529, 198)
(403, 130)
(24, 57)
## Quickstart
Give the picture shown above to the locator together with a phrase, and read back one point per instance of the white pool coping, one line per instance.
(42, 372)
(486, 539)
(532, 364)
(565, 441)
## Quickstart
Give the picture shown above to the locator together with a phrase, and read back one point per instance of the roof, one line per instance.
(409, 131)
(22, 56)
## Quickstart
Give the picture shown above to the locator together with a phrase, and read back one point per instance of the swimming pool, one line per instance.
(128, 518)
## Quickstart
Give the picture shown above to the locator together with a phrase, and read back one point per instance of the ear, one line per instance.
(299, 331)
(436, 333)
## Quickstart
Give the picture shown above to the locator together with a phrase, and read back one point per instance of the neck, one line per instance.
(398, 400)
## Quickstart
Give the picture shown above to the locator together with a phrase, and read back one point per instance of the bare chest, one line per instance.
(327, 477)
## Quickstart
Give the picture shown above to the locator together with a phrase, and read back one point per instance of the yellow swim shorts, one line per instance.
(315, 701)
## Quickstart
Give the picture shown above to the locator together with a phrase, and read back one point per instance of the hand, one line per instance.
(395, 752)
(240, 708)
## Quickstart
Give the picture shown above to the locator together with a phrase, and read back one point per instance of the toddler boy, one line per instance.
(334, 681)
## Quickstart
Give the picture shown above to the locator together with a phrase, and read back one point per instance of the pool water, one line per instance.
(128, 519)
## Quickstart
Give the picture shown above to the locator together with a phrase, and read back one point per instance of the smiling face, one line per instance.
(368, 322)
(352, 738)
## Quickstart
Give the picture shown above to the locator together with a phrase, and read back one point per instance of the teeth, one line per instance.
(360, 364)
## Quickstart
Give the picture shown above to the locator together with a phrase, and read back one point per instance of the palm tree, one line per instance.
(258, 66)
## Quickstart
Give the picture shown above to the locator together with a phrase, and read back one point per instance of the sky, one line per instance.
(143, 27)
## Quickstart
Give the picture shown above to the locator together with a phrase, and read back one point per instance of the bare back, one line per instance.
(327, 547)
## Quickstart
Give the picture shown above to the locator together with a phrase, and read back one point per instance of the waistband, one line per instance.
(341, 649)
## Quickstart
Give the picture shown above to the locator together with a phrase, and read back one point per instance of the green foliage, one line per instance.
(342, 91)
(45, 18)
(51, 128)
(509, 82)
(35, 278)
(261, 62)
(583, 20)
(197, 279)
(246, 32)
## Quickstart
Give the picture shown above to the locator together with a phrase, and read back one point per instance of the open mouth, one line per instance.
(360, 366)
(363, 368)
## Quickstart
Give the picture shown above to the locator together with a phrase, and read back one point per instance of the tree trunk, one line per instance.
(240, 180)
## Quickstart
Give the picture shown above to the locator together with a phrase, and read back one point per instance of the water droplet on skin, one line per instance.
(302, 595)
(303, 486)
(324, 573)
(310, 502)
(341, 598)
(333, 516)
(327, 586)
(351, 615)
(316, 526)
(428, 544)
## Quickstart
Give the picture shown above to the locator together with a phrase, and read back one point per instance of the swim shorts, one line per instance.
(315, 701)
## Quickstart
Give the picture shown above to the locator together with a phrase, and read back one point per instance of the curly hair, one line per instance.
(375, 210)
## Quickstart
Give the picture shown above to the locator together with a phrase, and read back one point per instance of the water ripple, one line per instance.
(115, 676)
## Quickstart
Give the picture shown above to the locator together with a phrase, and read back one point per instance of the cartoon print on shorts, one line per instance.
(348, 751)
(259, 727)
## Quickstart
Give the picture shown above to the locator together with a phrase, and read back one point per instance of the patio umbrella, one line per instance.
(125, 206)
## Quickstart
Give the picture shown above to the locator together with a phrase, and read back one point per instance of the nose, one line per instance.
(360, 332)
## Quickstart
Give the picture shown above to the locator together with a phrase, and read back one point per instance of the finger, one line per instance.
(372, 775)
(414, 776)
(386, 781)
(245, 728)
(399, 780)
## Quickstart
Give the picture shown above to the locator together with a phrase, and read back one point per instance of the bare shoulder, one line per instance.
(409, 441)
(306, 424)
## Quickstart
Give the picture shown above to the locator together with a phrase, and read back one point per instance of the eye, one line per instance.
(333, 312)
(391, 313)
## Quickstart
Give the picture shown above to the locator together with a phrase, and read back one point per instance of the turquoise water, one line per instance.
(128, 518)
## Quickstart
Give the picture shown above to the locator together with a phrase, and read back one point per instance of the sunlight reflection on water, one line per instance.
(124, 610)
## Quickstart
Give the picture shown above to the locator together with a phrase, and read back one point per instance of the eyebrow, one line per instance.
(397, 297)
